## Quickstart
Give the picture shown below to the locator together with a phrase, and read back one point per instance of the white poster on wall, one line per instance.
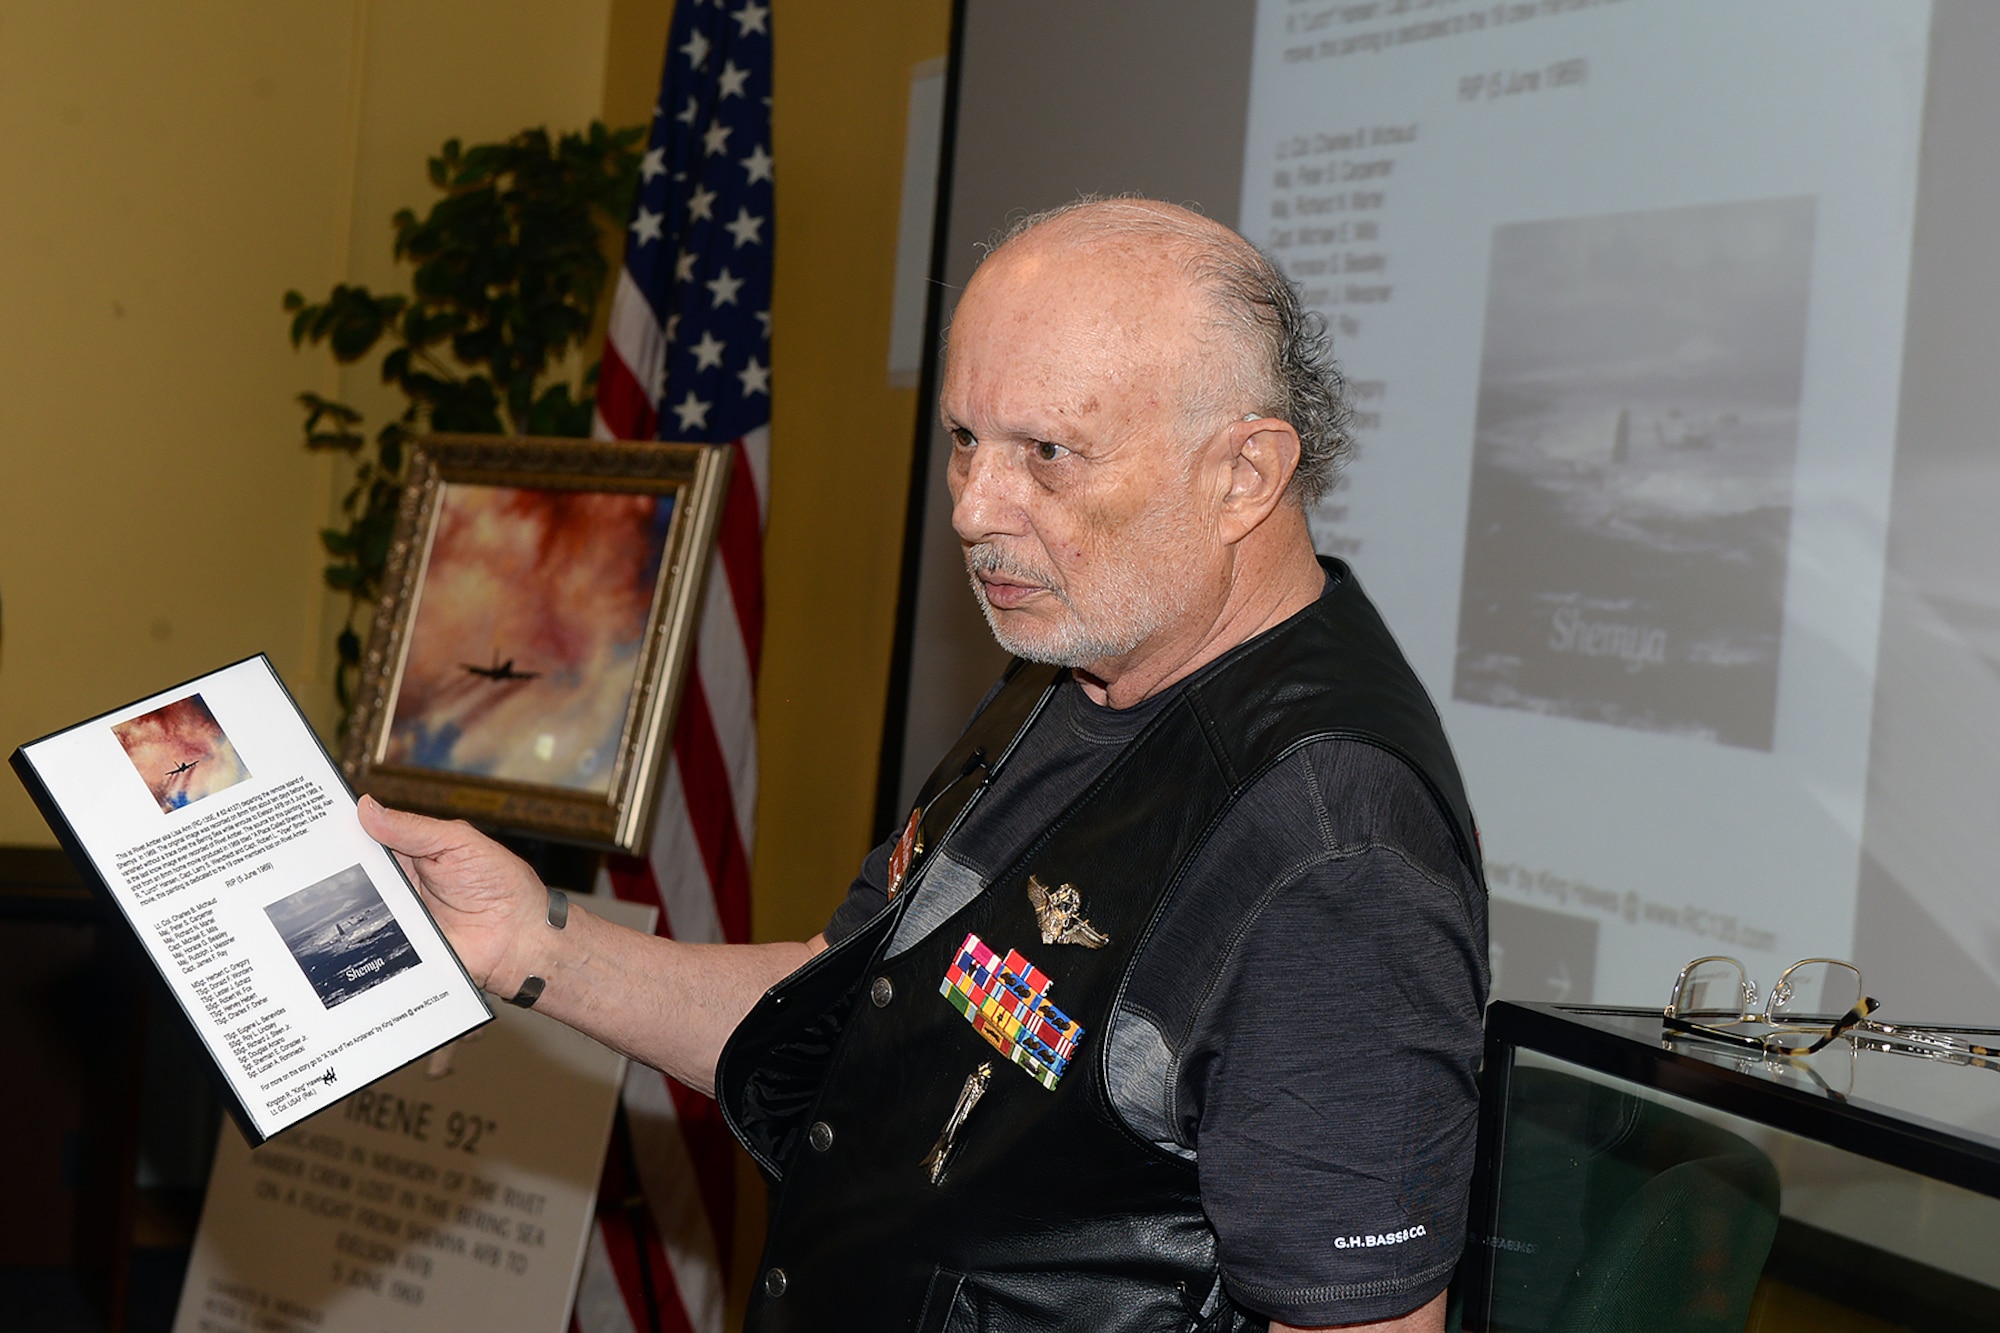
(1619, 290)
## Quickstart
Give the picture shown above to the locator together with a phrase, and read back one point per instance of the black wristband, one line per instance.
(532, 986)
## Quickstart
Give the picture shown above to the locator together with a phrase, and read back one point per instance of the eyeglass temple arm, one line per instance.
(1863, 1007)
(1943, 1041)
(1674, 1023)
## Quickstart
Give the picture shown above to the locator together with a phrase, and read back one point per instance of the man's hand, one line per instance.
(485, 898)
(663, 1002)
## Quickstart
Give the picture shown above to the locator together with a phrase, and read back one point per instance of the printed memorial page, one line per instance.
(215, 822)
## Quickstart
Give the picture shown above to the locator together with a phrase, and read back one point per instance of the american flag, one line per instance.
(688, 357)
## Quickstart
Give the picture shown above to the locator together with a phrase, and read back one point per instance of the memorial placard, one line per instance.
(214, 821)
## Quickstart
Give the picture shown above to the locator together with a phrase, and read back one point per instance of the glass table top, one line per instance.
(1932, 1115)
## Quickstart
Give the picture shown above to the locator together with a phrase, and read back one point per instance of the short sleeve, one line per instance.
(1328, 1088)
(866, 896)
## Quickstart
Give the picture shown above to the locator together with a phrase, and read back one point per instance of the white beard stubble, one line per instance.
(1129, 609)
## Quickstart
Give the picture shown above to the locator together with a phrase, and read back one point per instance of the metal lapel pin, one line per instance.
(968, 1097)
(1059, 912)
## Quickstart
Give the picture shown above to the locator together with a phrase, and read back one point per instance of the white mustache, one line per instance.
(986, 558)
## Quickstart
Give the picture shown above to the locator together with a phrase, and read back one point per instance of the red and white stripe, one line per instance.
(698, 873)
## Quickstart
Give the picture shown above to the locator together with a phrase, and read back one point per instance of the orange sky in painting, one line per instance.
(182, 732)
(560, 582)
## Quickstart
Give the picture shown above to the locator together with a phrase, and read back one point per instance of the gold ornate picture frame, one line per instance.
(538, 612)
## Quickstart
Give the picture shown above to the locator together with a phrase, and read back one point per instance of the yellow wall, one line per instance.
(170, 170)
(173, 169)
(840, 442)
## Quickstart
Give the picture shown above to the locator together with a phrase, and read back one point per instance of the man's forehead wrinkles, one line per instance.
(1034, 393)
(1079, 345)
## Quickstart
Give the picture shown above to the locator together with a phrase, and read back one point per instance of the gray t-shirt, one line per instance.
(1304, 1023)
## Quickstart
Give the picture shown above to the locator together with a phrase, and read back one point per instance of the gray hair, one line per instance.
(1291, 372)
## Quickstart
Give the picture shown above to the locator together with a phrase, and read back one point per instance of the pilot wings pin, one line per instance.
(1059, 913)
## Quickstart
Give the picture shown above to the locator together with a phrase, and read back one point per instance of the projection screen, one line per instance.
(1667, 326)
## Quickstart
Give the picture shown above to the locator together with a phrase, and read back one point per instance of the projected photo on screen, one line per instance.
(1631, 504)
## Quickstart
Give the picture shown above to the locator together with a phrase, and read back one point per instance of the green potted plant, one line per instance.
(506, 271)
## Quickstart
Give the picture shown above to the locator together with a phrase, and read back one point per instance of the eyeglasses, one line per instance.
(1814, 1002)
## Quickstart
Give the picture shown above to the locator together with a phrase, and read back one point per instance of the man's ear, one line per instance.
(1263, 455)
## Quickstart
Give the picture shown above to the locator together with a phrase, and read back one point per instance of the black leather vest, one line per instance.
(1051, 1213)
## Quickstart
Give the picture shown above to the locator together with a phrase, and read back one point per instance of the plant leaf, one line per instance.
(505, 271)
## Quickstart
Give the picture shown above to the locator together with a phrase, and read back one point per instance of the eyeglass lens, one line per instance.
(1819, 990)
(1713, 990)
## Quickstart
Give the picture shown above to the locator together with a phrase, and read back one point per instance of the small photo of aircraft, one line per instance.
(500, 670)
(176, 772)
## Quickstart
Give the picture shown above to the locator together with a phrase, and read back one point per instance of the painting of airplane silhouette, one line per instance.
(554, 588)
(500, 670)
(343, 935)
(180, 753)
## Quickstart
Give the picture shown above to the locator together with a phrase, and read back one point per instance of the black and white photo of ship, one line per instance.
(343, 935)
(1628, 531)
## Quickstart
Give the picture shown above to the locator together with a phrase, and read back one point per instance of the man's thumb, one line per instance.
(401, 831)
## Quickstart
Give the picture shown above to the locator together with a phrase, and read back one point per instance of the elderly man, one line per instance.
(1163, 1010)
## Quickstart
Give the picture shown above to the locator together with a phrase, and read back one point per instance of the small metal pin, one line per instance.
(908, 848)
(1059, 914)
(968, 1097)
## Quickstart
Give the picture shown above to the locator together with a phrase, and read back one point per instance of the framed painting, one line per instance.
(538, 613)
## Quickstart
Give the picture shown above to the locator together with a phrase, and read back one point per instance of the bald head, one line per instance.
(1254, 348)
(1124, 470)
